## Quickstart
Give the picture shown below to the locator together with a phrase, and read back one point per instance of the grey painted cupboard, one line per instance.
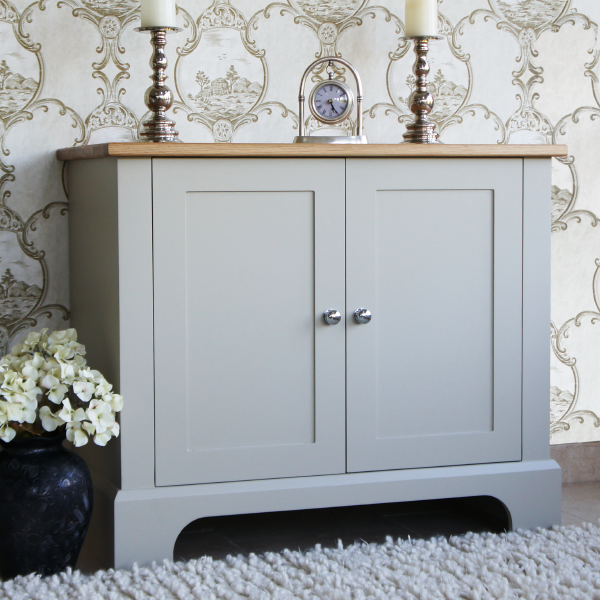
(200, 275)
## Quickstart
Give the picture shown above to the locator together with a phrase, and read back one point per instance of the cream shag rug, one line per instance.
(560, 563)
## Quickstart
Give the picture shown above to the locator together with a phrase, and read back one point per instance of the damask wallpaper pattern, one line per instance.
(73, 72)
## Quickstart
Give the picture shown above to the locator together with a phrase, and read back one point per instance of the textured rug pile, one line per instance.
(560, 563)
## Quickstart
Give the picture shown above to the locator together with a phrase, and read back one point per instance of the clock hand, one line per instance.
(332, 106)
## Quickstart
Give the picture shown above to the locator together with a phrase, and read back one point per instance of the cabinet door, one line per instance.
(434, 252)
(249, 380)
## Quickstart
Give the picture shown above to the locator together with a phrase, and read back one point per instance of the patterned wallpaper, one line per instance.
(73, 72)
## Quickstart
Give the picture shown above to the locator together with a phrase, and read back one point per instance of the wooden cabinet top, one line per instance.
(153, 150)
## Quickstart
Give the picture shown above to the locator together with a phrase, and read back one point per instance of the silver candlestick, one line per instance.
(421, 101)
(159, 97)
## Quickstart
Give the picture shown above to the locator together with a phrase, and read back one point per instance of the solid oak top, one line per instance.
(167, 150)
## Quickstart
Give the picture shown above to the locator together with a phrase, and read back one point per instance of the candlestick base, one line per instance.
(158, 97)
(421, 101)
(421, 133)
(159, 130)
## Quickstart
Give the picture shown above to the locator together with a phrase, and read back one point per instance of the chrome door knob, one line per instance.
(332, 316)
(362, 316)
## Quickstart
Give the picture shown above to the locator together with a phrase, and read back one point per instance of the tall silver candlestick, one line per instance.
(159, 97)
(421, 101)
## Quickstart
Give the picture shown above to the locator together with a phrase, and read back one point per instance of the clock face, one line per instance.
(331, 101)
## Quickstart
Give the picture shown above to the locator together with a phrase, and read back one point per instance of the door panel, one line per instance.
(249, 379)
(257, 251)
(434, 251)
(450, 294)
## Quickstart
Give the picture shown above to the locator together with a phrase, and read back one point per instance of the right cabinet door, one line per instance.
(434, 251)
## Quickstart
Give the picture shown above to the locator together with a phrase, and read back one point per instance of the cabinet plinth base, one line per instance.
(146, 523)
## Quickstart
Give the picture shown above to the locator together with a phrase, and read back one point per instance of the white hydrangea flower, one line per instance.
(115, 401)
(15, 351)
(101, 439)
(30, 367)
(100, 415)
(67, 371)
(52, 368)
(84, 389)
(10, 385)
(20, 413)
(37, 361)
(30, 372)
(56, 390)
(49, 420)
(103, 387)
(30, 389)
(76, 435)
(7, 433)
(91, 375)
(69, 414)
(15, 390)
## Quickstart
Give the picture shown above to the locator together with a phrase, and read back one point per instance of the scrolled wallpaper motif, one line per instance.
(73, 72)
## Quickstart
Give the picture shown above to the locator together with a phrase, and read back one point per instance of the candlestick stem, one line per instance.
(159, 97)
(421, 101)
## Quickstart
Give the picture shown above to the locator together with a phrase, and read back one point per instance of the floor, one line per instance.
(220, 536)
(580, 502)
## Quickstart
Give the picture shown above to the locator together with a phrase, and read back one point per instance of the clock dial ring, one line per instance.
(331, 102)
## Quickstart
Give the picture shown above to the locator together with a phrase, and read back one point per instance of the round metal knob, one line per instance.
(332, 316)
(362, 316)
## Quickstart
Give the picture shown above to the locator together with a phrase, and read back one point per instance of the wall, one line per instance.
(73, 72)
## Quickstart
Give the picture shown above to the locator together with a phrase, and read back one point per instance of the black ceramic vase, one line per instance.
(45, 506)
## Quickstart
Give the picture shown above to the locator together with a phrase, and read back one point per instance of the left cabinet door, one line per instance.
(249, 380)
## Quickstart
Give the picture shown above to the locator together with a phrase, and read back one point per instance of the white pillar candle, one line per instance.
(420, 18)
(158, 13)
